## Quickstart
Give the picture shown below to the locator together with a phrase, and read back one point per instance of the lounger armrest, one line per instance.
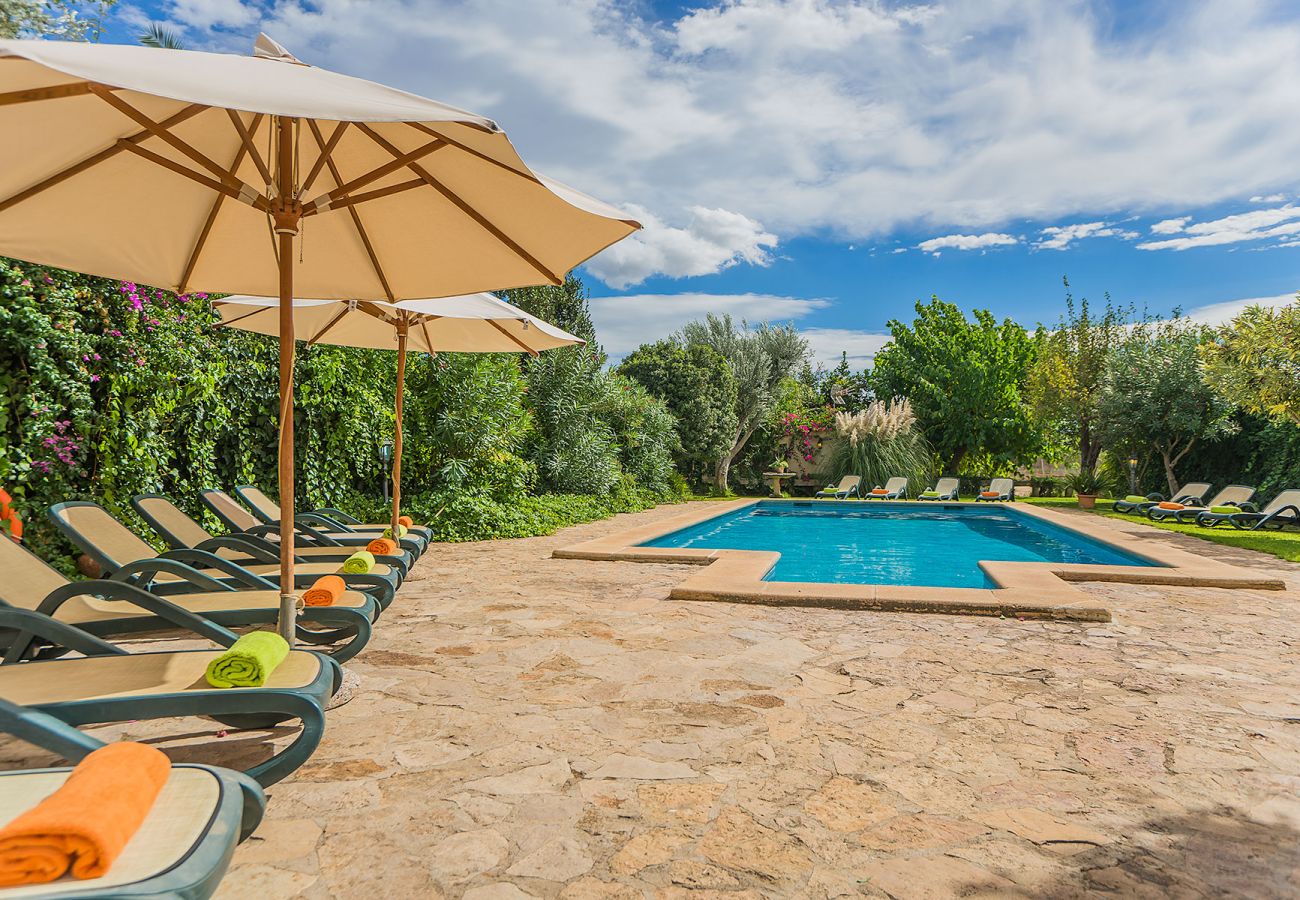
(30, 623)
(337, 515)
(225, 566)
(249, 546)
(129, 593)
(1247, 506)
(145, 569)
(43, 730)
(314, 537)
(1156, 497)
(325, 522)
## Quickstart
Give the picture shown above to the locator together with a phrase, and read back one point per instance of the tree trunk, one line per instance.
(1169, 473)
(723, 469)
(955, 460)
(1089, 450)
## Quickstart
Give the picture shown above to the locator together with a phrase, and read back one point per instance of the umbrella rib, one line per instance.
(424, 327)
(170, 139)
(91, 161)
(527, 349)
(325, 152)
(367, 196)
(425, 129)
(212, 215)
(257, 200)
(249, 148)
(247, 315)
(53, 92)
(464, 207)
(352, 212)
(403, 159)
(328, 325)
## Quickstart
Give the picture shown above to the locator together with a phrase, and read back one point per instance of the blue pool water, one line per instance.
(932, 545)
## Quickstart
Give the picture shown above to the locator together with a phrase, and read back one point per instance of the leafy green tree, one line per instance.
(564, 306)
(965, 380)
(1064, 384)
(72, 20)
(696, 384)
(759, 359)
(1155, 397)
(1254, 361)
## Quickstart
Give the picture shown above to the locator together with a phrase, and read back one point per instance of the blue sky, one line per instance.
(830, 163)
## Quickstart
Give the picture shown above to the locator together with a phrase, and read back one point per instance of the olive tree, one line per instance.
(1254, 361)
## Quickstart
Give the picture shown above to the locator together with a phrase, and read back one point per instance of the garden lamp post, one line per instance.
(386, 457)
(1132, 474)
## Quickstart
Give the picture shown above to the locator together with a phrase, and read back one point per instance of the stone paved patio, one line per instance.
(556, 728)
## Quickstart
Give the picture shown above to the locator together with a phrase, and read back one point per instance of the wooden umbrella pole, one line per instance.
(402, 327)
(287, 212)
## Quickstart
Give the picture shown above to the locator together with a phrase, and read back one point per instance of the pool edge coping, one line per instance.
(1025, 589)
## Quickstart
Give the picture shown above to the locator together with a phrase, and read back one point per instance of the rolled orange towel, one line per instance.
(1167, 504)
(382, 547)
(84, 825)
(325, 592)
(405, 520)
(989, 494)
(880, 492)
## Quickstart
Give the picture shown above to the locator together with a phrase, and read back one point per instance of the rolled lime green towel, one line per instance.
(1134, 498)
(359, 563)
(401, 532)
(1225, 509)
(934, 494)
(249, 661)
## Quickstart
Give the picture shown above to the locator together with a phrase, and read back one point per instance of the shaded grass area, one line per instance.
(1282, 544)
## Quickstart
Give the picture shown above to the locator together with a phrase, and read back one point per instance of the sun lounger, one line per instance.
(268, 511)
(1234, 495)
(182, 532)
(1000, 490)
(183, 846)
(894, 489)
(107, 684)
(108, 608)
(310, 530)
(944, 489)
(849, 486)
(1188, 495)
(1281, 511)
(124, 556)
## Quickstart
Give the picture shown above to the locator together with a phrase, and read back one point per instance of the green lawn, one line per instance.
(1282, 544)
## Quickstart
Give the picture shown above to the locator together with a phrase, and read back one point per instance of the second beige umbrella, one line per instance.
(475, 323)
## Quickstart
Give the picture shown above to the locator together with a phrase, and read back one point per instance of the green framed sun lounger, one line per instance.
(107, 684)
(894, 489)
(231, 513)
(184, 845)
(1281, 511)
(1229, 500)
(944, 489)
(124, 556)
(182, 532)
(1192, 494)
(849, 486)
(268, 511)
(108, 608)
(1000, 490)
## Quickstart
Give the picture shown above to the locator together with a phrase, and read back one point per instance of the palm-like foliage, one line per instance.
(161, 37)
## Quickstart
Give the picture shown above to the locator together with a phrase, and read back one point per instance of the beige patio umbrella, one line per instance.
(476, 323)
(258, 175)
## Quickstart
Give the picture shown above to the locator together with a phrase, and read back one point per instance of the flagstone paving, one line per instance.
(531, 727)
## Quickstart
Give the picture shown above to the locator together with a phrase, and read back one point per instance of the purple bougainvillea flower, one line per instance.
(94, 378)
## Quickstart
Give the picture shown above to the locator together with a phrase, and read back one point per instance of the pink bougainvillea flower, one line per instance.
(94, 378)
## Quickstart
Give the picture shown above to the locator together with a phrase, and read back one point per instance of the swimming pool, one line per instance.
(928, 545)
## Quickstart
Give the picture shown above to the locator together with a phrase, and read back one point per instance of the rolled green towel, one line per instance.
(401, 532)
(249, 662)
(1225, 509)
(1134, 498)
(359, 563)
(934, 494)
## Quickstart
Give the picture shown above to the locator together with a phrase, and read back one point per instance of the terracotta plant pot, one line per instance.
(1087, 501)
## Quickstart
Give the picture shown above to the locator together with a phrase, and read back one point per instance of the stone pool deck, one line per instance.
(538, 727)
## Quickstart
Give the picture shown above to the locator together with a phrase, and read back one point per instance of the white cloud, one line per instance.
(713, 240)
(855, 118)
(967, 242)
(1062, 237)
(1219, 313)
(1256, 225)
(1268, 198)
(828, 343)
(1170, 226)
(625, 323)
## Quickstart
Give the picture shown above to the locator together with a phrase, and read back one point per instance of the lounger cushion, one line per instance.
(177, 822)
(139, 674)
